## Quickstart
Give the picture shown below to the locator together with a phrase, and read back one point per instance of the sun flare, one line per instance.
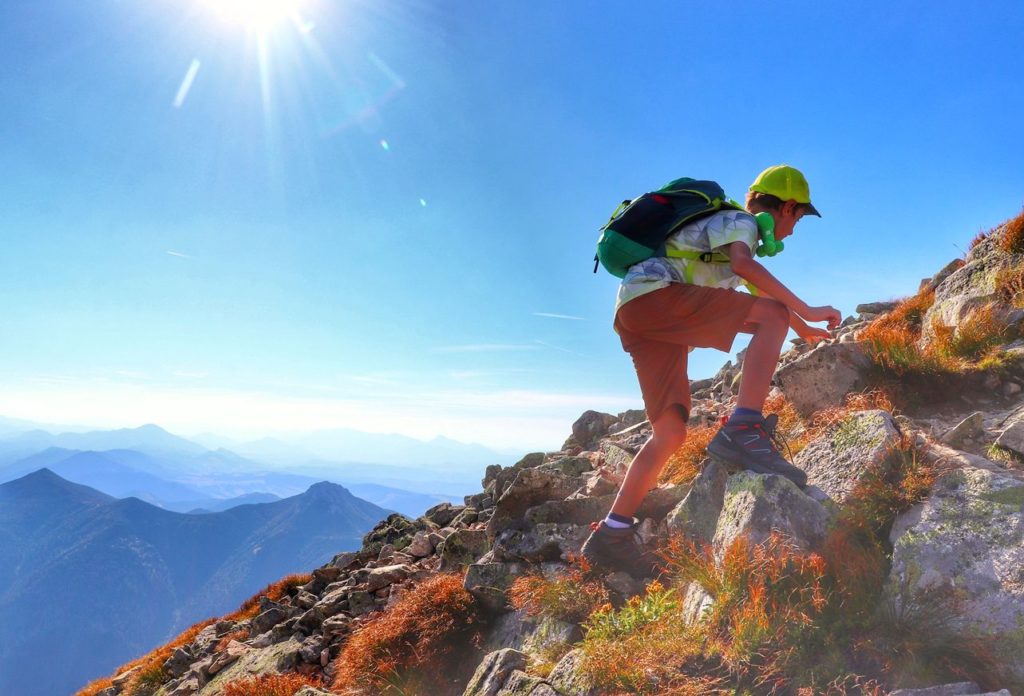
(257, 15)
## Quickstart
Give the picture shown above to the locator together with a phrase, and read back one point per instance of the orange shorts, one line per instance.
(656, 329)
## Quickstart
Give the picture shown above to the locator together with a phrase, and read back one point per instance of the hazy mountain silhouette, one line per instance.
(90, 581)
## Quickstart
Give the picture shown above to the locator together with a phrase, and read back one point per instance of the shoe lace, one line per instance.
(777, 440)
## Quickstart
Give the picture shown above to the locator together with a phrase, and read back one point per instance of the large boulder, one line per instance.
(494, 671)
(462, 547)
(836, 461)
(530, 487)
(488, 582)
(966, 289)
(589, 428)
(696, 517)
(755, 505)
(821, 378)
(967, 540)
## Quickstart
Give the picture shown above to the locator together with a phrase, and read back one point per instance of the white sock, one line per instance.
(615, 524)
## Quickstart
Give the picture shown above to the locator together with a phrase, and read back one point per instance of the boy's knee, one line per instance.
(670, 428)
(771, 311)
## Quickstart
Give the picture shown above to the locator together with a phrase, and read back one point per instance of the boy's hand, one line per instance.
(813, 334)
(825, 313)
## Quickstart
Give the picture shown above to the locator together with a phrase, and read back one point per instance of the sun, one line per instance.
(260, 16)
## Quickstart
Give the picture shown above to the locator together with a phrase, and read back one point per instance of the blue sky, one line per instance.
(382, 215)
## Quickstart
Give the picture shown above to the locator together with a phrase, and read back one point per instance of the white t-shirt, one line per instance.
(710, 233)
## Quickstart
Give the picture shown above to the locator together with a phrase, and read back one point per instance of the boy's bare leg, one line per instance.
(768, 320)
(669, 435)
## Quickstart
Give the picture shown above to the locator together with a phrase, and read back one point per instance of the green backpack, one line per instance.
(638, 228)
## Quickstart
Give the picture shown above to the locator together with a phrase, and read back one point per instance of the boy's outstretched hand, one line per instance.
(824, 313)
(812, 334)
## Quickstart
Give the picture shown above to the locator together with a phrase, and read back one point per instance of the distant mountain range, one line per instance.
(89, 581)
(224, 468)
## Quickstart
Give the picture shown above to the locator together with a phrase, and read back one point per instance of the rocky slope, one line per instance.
(960, 541)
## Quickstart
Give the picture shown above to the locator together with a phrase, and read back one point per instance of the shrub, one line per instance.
(569, 596)
(269, 685)
(414, 645)
(1012, 239)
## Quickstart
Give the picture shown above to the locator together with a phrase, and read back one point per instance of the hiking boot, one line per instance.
(613, 549)
(749, 442)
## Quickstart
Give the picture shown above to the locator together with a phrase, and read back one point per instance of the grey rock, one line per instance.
(269, 618)
(494, 671)
(344, 560)
(757, 504)
(836, 461)
(178, 663)
(970, 427)
(958, 689)
(461, 548)
(521, 684)
(378, 578)
(656, 505)
(696, 516)
(876, 307)
(569, 466)
(420, 546)
(232, 652)
(442, 514)
(360, 602)
(488, 582)
(337, 625)
(822, 377)
(310, 650)
(312, 691)
(545, 541)
(591, 427)
(529, 488)
(1013, 437)
(567, 679)
(967, 536)
(965, 289)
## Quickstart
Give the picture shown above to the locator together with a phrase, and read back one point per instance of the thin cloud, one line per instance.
(484, 348)
(179, 254)
(558, 316)
(189, 374)
(559, 348)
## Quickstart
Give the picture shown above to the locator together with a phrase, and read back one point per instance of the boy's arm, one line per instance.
(744, 265)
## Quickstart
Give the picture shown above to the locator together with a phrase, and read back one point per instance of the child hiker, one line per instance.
(669, 305)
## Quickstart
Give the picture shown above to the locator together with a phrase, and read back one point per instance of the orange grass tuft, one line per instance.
(151, 672)
(414, 645)
(275, 591)
(569, 596)
(1010, 285)
(684, 465)
(270, 685)
(981, 331)
(1012, 239)
(151, 664)
(239, 635)
(978, 239)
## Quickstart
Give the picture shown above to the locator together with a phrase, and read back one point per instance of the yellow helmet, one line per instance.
(785, 183)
